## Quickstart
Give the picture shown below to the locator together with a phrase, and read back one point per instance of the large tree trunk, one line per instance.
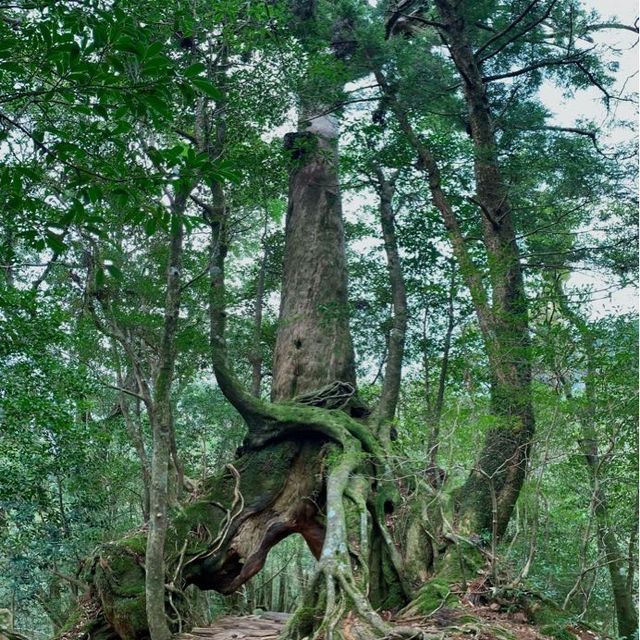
(494, 484)
(488, 497)
(314, 362)
(313, 346)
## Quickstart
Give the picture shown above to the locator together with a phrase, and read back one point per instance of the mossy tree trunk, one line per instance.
(488, 497)
(313, 346)
(161, 418)
(494, 484)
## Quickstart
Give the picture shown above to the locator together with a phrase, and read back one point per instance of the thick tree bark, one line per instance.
(502, 463)
(488, 497)
(313, 346)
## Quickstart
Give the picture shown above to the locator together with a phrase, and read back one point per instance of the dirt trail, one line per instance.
(449, 624)
(264, 626)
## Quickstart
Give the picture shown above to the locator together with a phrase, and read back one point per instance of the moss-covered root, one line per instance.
(334, 606)
(549, 617)
(118, 579)
(335, 609)
(457, 567)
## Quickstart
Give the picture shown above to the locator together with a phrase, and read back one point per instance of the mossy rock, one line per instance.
(119, 571)
(132, 611)
(119, 580)
(545, 612)
(136, 543)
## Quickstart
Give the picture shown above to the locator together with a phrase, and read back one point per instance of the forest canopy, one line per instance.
(293, 317)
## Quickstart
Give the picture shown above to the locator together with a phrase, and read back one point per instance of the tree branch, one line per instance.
(514, 23)
(613, 25)
(515, 37)
(550, 62)
(133, 394)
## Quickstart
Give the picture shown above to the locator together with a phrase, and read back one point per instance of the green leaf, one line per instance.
(100, 277)
(150, 226)
(276, 209)
(95, 193)
(54, 242)
(12, 66)
(194, 70)
(130, 46)
(158, 64)
(122, 126)
(226, 171)
(113, 271)
(153, 49)
(206, 87)
(157, 104)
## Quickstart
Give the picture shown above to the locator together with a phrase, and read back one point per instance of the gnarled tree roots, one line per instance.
(304, 470)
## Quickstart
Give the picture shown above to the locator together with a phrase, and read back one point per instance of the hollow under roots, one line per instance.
(304, 469)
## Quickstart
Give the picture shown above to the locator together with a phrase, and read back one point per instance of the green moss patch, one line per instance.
(558, 631)
(434, 595)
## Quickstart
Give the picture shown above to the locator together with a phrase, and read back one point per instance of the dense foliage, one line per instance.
(111, 113)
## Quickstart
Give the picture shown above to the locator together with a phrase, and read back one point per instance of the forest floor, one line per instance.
(463, 623)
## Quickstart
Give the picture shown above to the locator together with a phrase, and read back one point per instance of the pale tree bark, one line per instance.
(128, 387)
(156, 396)
(386, 408)
(161, 419)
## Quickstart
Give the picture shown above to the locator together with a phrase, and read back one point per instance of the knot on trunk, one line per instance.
(300, 145)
